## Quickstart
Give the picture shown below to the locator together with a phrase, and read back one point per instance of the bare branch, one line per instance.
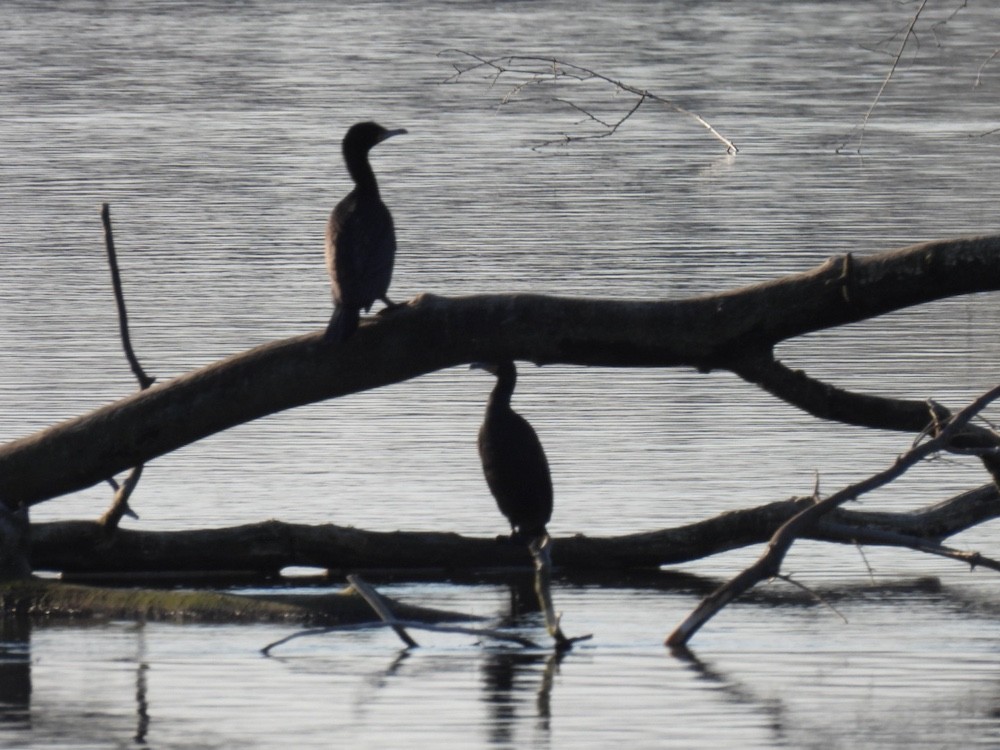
(897, 539)
(376, 602)
(611, 128)
(119, 505)
(144, 380)
(885, 82)
(979, 73)
(536, 70)
(935, 27)
(497, 635)
(769, 564)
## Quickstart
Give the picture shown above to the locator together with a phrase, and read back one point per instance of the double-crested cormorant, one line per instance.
(360, 237)
(514, 462)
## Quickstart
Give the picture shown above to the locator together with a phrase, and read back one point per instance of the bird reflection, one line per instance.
(508, 676)
(141, 686)
(15, 672)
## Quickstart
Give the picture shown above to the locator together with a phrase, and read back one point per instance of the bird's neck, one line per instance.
(362, 174)
(500, 398)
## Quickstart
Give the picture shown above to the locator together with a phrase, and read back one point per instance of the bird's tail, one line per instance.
(343, 324)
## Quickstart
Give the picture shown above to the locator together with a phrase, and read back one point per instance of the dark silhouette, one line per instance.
(514, 462)
(360, 237)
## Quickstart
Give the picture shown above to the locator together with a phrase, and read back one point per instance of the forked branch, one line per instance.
(768, 565)
(522, 71)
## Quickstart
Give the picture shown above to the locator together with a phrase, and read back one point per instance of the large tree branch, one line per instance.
(433, 333)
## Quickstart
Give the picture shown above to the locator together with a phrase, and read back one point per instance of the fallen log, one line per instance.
(268, 547)
(430, 333)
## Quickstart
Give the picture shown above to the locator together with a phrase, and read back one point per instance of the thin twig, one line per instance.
(987, 61)
(919, 544)
(537, 70)
(497, 635)
(885, 82)
(611, 128)
(815, 595)
(376, 602)
(119, 505)
(144, 380)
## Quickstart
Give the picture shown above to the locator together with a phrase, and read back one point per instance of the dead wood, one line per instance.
(84, 547)
(432, 333)
(119, 505)
(768, 565)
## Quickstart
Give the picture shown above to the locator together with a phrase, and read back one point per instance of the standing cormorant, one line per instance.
(514, 462)
(360, 237)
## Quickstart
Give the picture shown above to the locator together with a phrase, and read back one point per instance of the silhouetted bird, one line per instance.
(514, 462)
(360, 237)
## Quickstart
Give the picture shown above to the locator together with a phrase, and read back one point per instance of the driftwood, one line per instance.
(732, 330)
(85, 547)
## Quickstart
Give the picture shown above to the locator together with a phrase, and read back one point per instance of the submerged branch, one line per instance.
(378, 604)
(56, 600)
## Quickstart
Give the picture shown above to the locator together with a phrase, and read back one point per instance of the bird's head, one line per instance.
(363, 136)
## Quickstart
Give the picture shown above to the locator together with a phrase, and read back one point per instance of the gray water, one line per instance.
(213, 131)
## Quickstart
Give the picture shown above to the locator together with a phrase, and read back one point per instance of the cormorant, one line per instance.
(514, 462)
(360, 237)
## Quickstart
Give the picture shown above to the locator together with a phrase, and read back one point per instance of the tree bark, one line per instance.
(432, 333)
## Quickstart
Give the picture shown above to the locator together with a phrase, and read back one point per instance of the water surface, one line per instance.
(213, 130)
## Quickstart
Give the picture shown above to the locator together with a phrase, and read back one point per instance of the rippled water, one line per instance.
(213, 130)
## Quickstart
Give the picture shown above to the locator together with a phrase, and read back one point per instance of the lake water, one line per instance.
(213, 130)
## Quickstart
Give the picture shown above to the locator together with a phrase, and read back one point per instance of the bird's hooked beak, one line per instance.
(390, 133)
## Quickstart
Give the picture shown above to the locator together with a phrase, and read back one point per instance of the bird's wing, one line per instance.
(514, 461)
(361, 248)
